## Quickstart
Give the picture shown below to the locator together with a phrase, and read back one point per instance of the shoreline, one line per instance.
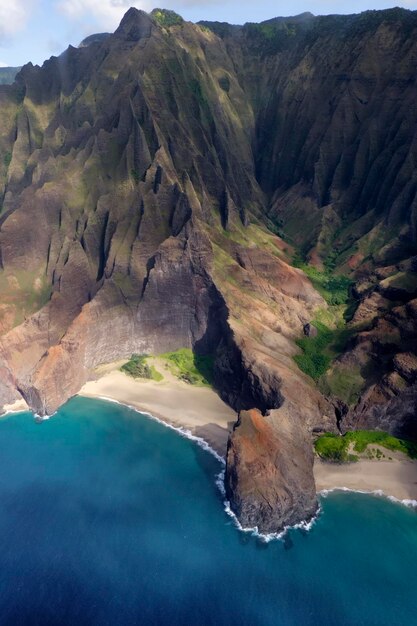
(395, 479)
(201, 441)
(199, 414)
(174, 403)
(19, 406)
(198, 410)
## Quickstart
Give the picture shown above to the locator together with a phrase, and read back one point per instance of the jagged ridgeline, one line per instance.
(157, 185)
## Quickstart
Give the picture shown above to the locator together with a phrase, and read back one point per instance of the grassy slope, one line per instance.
(138, 368)
(183, 363)
(190, 367)
(333, 333)
(336, 448)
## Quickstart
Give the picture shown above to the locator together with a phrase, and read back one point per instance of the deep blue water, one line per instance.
(107, 517)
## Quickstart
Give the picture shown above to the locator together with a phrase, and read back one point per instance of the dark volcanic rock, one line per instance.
(310, 330)
(383, 407)
(269, 478)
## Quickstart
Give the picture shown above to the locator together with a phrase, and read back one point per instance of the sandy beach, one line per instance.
(197, 408)
(200, 410)
(396, 478)
(15, 407)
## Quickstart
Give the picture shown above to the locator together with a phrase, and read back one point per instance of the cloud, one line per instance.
(105, 14)
(54, 45)
(14, 15)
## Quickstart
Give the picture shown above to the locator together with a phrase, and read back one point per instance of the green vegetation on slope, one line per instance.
(138, 368)
(272, 36)
(321, 350)
(318, 352)
(333, 287)
(25, 294)
(406, 281)
(189, 367)
(135, 175)
(314, 360)
(166, 18)
(343, 382)
(336, 447)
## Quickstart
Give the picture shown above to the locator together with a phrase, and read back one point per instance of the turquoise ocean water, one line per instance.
(108, 517)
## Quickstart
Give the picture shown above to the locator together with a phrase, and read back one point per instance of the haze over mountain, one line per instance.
(8, 74)
(157, 186)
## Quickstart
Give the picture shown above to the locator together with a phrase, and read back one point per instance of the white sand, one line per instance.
(202, 411)
(197, 408)
(16, 407)
(396, 478)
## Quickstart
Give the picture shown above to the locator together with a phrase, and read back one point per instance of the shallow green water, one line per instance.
(108, 517)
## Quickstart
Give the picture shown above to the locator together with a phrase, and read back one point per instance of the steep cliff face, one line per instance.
(138, 178)
(108, 177)
(339, 175)
(338, 91)
(270, 480)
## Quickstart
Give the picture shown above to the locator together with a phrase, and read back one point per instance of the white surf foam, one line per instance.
(376, 492)
(12, 412)
(185, 432)
(36, 416)
(267, 537)
(42, 418)
(305, 525)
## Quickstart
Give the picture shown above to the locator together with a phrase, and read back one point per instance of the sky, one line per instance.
(34, 30)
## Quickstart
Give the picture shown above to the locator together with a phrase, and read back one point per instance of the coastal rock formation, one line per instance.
(144, 180)
(269, 481)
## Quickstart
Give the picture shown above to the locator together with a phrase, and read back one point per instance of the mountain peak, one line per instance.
(135, 25)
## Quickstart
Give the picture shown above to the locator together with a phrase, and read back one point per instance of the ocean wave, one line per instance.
(267, 537)
(187, 434)
(11, 412)
(184, 432)
(305, 525)
(376, 492)
(42, 418)
(36, 416)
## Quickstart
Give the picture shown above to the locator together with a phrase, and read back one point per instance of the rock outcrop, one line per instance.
(269, 481)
